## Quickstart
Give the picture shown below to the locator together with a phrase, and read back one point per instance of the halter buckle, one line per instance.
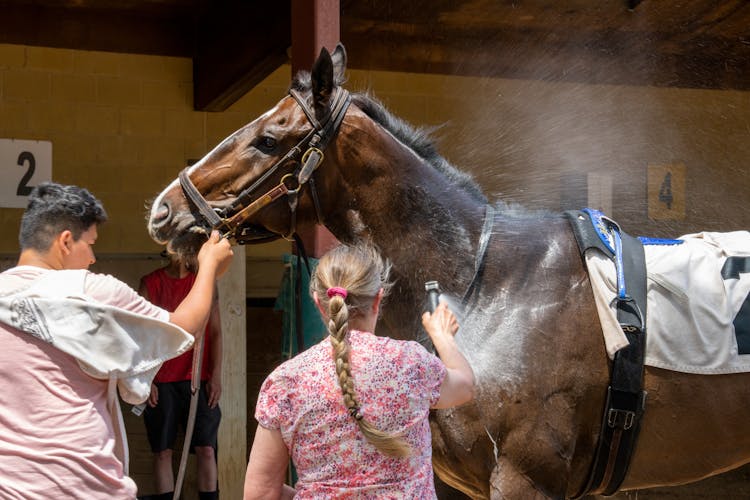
(311, 150)
(290, 191)
(620, 418)
(309, 165)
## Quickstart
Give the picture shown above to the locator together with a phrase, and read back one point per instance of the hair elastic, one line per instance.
(356, 412)
(336, 290)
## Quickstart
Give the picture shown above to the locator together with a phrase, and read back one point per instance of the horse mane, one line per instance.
(418, 140)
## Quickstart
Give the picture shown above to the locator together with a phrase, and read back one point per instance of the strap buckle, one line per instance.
(620, 418)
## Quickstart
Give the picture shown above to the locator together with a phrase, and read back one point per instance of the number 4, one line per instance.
(665, 191)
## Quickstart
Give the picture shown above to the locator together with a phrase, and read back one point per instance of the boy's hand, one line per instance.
(216, 251)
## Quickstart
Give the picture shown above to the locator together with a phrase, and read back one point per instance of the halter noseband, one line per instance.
(228, 220)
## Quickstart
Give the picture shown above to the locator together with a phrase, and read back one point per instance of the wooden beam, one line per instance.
(315, 24)
(114, 30)
(237, 45)
(602, 58)
(660, 44)
(232, 447)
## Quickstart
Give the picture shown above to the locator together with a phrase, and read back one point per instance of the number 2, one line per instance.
(23, 187)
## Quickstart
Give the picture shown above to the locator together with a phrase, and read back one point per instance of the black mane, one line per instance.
(417, 139)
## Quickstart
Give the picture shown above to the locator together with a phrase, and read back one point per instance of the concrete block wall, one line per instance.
(121, 125)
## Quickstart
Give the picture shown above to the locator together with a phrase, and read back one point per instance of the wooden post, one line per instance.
(315, 24)
(232, 452)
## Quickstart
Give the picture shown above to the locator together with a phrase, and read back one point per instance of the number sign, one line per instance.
(23, 165)
(666, 191)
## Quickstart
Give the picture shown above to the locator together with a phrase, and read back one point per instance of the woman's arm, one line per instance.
(267, 466)
(458, 385)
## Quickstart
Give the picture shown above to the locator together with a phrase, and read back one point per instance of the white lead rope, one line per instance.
(195, 385)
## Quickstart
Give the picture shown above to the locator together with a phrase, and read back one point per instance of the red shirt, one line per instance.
(167, 293)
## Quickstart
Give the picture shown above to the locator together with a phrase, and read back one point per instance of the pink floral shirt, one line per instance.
(396, 383)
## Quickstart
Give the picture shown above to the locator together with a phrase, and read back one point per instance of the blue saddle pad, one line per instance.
(602, 223)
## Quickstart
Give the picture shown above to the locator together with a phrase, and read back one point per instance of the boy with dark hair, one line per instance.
(71, 339)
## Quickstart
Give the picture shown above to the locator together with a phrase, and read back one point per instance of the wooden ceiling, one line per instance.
(234, 44)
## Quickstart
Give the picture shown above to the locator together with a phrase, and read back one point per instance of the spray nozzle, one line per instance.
(433, 294)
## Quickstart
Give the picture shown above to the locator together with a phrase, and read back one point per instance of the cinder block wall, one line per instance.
(121, 125)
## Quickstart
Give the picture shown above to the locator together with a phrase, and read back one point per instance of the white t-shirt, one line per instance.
(56, 433)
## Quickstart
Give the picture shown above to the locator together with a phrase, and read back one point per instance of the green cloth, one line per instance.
(312, 325)
(313, 328)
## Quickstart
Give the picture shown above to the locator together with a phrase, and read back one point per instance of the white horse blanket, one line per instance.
(695, 293)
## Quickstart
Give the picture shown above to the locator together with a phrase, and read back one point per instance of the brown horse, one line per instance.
(531, 331)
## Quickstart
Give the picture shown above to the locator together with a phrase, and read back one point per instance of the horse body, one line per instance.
(533, 304)
(530, 331)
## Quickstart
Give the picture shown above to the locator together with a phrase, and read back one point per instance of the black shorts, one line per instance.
(171, 414)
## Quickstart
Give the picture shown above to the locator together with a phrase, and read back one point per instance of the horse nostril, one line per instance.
(160, 215)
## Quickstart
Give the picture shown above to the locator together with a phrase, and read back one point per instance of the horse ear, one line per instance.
(322, 82)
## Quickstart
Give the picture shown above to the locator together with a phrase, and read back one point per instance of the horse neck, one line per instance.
(419, 219)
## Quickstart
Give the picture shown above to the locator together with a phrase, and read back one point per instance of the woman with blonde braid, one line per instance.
(352, 410)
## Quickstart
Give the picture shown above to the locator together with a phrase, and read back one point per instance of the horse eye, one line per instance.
(266, 144)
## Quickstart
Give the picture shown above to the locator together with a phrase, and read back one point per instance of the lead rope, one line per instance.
(195, 384)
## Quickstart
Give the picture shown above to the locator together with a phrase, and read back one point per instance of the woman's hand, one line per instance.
(441, 323)
(458, 385)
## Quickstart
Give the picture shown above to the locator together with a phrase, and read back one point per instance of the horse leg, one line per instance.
(507, 483)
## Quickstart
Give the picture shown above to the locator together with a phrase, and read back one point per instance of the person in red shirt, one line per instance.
(169, 402)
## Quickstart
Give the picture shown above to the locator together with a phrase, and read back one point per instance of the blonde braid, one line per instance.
(338, 326)
(353, 259)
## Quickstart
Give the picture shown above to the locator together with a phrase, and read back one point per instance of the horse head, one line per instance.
(324, 156)
(258, 185)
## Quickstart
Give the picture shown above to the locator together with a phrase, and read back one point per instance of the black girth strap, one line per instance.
(484, 240)
(626, 398)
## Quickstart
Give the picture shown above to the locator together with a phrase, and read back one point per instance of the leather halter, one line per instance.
(228, 220)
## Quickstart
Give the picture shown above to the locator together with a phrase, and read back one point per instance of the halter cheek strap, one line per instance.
(230, 219)
(192, 194)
